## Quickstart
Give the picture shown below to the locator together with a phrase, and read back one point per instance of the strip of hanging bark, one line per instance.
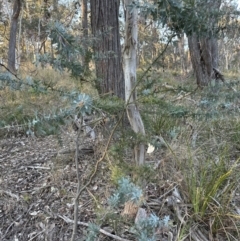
(130, 65)
(218, 75)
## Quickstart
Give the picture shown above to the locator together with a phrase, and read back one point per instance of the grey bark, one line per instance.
(200, 60)
(203, 47)
(130, 68)
(182, 53)
(204, 57)
(85, 33)
(13, 36)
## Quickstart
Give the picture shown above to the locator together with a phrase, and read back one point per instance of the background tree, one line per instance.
(199, 21)
(107, 48)
(229, 38)
(13, 35)
(203, 45)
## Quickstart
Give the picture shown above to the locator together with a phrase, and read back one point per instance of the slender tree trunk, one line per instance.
(182, 53)
(107, 48)
(13, 36)
(19, 50)
(84, 17)
(85, 33)
(130, 69)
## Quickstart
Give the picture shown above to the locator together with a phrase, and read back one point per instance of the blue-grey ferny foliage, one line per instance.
(93, 231)
(145, 229)
(126, 191)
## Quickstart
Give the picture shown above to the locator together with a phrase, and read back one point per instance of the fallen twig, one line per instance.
(38, 167)
(36, 235)
(79, 181)
(68, 220)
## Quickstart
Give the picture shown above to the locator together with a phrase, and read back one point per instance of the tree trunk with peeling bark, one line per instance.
(203, 47)
(204, 57)
(130, 67)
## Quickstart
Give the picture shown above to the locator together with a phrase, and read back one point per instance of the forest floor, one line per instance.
(38, 184)
(38, 178)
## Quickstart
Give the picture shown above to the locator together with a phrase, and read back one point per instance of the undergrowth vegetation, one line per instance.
(195, 136)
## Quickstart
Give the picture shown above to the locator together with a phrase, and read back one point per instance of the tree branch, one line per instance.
(78, 178)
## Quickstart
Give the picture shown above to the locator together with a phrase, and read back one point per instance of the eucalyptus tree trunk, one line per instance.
(107, 48)
(13, 36)
(203, 47)
(198, 63)
(130, 67)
